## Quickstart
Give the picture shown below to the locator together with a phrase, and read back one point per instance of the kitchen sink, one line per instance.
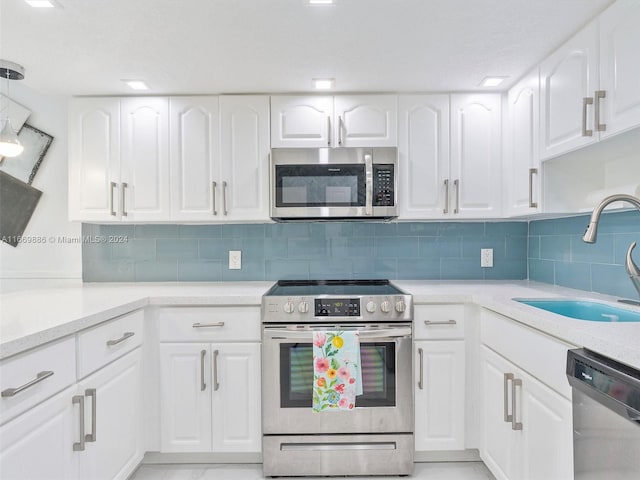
(583, 309)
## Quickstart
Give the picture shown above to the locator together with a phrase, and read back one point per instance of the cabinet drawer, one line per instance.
(36, 375)
(542, 356)
(438, 322)
(104, 343)
(206, 324)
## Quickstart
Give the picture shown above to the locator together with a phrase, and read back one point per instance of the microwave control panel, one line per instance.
(383, 185)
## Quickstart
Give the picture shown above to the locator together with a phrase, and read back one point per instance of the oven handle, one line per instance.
(275, 333)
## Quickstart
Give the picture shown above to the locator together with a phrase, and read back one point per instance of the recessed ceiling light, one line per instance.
(321, 2)
(492, 81)
(136, 84)
(40, 3)
(323, 83)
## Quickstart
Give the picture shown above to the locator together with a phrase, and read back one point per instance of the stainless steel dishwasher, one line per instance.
(606, 417)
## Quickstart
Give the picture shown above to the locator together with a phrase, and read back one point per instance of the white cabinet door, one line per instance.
(185, 397)
(439, 395)
(115, 423)
(619, 67)
(498, 450)
(522, 163)
(145, 158)
(476, 160)
(38, 445)
(301, 121)
(236, 397)
(547, 431)
(423, 150)
(366, 121)
(567, 78)
(244, 137)
(94, 159)
(195, 150)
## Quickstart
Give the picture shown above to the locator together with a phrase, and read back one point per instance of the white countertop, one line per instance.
(34, 317)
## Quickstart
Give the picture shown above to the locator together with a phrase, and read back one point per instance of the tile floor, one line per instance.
(431, 471)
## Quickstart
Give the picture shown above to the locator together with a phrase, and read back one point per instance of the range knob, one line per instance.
(385, 306)
(371, 307)
(303, 307)
(289, 307)
(400, 306)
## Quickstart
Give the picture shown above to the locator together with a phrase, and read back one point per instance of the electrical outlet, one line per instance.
(235, 260)
(486, 257)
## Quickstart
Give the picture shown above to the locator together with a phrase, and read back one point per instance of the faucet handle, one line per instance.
(632, 268)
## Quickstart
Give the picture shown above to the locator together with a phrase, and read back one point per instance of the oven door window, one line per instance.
(329, 185)
(377, 362)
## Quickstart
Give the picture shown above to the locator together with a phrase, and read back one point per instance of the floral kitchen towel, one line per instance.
(337, 378)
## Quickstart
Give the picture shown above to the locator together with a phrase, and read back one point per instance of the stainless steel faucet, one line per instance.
(592, 231)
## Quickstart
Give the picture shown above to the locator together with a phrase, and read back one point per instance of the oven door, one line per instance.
(386, 404)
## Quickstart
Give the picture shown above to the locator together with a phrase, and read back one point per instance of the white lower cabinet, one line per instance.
(210, 397)
(439, 356)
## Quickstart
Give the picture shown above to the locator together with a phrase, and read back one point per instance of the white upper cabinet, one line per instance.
(340, 121)
(522, 163)
(476, 155)
(619, 67)
(301, 121)
(244, 156)
(145, 158)
(568, 80)
(94, 159)
(423, 151)
(195, 151)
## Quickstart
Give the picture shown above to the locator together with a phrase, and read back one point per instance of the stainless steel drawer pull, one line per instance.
(420, 380)
(79, 446)
(203, 385)
(216, 385)
(207, 325)
(111, 343)
(515, 425)
(429, 323)
(507, 418)
(91, 392)
(600, 127)
(586, 101)
(10, 392)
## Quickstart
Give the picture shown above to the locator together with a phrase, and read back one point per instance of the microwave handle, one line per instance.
(368, 165)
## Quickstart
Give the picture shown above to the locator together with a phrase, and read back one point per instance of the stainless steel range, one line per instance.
(376, 437)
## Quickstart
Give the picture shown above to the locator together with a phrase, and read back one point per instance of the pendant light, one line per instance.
(10, 146)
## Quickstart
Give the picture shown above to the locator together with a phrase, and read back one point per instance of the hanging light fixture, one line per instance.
(10, 146)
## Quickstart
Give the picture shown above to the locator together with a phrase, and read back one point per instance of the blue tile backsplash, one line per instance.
(438, 250)
(549, 251)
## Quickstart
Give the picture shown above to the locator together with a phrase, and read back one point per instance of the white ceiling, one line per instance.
(237, 46)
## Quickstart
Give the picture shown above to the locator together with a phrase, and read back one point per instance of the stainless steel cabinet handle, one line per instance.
(213, 197)
(507, 376)
(456, 184)
(532, 172)
(203, 385)
(515, 425)
(328, 130)
(586, 101)
(111, 343)
(124, 193)
(207, 325)
(444, 322)
(420, 380)
(112, 211)
(600, 127)
(446, 196)
(79, 446)
(224, 198)
(91, 392)
(216, 385)
(10, 392)
(340, 126)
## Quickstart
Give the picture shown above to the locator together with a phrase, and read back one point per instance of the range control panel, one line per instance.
(337, 307)
(383, 185)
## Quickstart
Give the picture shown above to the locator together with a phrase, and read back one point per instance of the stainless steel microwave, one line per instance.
(333, 183)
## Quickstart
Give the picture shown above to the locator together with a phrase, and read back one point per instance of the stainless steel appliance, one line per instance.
(333, 183)
(606, 417)
(375, 438)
